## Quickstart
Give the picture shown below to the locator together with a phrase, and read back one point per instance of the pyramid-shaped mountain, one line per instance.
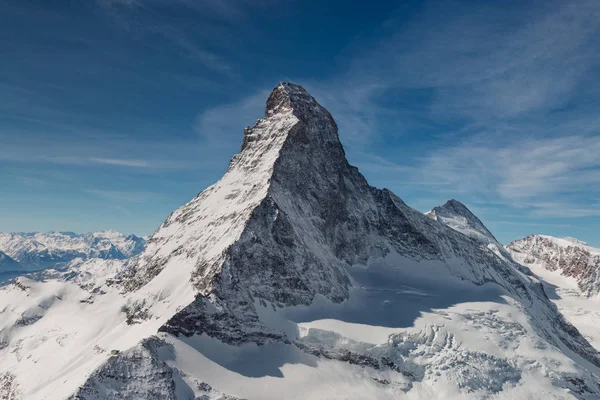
(291, 277)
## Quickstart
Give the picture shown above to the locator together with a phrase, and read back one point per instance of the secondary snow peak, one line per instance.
(458, 217)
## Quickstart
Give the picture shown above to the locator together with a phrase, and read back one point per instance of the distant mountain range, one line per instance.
(8, 264)
(26, 252)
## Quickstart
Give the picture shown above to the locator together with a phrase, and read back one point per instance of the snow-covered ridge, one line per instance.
(7, 264)
(458, 217)
(572, 257)
(340, 289)
(38, 250)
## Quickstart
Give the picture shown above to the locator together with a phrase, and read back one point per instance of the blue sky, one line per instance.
(115, 112)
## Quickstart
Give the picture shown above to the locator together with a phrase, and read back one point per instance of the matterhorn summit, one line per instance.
(292, 278)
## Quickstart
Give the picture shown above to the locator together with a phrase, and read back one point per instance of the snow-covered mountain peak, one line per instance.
(338, 288)
(291, 97)
(552, 241)
(284, 225)
(571, 257)
(291, 106)
(458, 217)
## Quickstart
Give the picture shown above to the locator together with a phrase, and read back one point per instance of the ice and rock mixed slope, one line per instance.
(571, 257)
(569, 271)
(291, 277)
(35, 251)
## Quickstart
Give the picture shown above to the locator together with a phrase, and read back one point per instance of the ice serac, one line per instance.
(572, 257)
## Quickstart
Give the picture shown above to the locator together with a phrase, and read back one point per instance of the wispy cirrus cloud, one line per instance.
(516, 89)
(142, 21)
(121, 162)
(125, 196)
(146, 20)
(112, 150)
(223, 125)
(75, 160)
(489, 61)
(556, 177)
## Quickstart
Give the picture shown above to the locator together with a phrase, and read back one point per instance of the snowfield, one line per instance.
(389, 340)
(292, 278)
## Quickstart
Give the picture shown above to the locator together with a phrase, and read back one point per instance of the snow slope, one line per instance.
(292, 278)
(568, 270)
(457, 216)
(582, 311)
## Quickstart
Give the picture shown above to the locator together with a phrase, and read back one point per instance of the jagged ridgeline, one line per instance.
(292, 277)
(571, 257)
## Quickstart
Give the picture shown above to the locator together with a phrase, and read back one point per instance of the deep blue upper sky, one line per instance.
(115, 112)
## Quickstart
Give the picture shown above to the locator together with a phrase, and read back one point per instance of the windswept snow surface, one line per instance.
(580, 310)
(449, 339)
(292, 278)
